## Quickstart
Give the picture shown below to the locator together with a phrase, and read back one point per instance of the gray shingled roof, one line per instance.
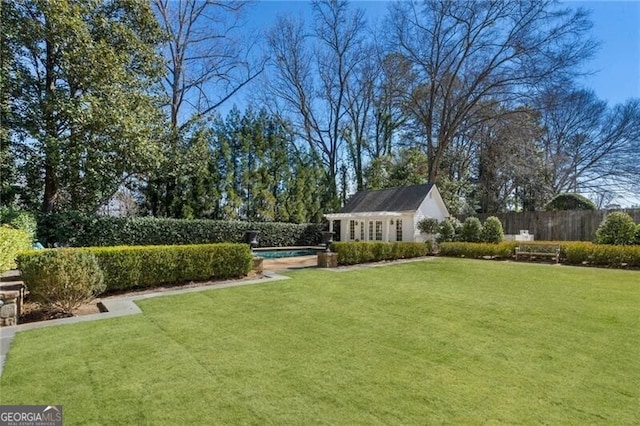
(404, 198)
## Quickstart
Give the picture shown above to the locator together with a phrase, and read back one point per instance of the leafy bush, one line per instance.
(430, 247)
(61, 279)
(12, 241)
(617, 228)
(19, 219)
(428, 225)
(352, 253)
(576, 252)
(447, 231)
(492, 231)
(587, 253)
(87, 231)
(146, 266)
(127, 267)
(502, 250)
(637, 241)
(471, 230)
(570, 202)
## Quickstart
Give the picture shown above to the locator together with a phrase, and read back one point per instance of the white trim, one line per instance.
(336, 216)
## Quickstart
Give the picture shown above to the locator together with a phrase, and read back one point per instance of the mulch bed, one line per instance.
(33, 312)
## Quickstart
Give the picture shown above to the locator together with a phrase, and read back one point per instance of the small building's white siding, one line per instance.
(431, 207)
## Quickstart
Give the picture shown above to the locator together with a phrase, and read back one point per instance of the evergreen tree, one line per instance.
(79, 77)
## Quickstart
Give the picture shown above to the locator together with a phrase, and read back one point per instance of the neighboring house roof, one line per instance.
(404, 198)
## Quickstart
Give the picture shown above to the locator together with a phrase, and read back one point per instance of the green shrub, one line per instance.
(492, 231)
(428, 225)
(617, 228)
(637, 241)
(12, 241)
(576, 252)
(430, 247)
(61, 279)
(447, 231)
(352, 253)
(127, 267)
(579, 253)
(87, 231)
(471, 230)
(570, 202)
(502, 250)
(19, 219)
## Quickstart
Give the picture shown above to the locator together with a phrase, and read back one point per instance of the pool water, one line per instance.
(277, 254)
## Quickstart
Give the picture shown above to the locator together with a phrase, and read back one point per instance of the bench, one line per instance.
(538, 250)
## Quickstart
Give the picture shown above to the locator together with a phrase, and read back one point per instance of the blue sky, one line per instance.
(616, 24)
(616, 67)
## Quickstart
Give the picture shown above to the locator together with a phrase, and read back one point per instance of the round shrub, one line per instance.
(446, 232)
(638, 234)
(471, 230)
(428, 225)
(570, 202)
(492, 231)
(62, 279)
(617, 228)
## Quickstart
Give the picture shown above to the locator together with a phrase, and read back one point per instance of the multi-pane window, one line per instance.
(399, 230)
(361, 231)
(370, 231)
(352, 230)
(378, 230)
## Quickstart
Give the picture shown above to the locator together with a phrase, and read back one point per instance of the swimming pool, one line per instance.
(280, 253)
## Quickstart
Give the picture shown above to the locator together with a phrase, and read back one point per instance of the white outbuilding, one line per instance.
(390, 214)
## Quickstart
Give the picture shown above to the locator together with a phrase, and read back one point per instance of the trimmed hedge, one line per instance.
(12, 241)
(478, 250)
(78, 230)
(127, 267)
(352, 253)
(570, 201)
(586, 253)
(571, 252)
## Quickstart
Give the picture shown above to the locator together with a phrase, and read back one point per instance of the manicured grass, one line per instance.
(446, 340)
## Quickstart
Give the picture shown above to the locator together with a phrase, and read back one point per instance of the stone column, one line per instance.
(9, 310)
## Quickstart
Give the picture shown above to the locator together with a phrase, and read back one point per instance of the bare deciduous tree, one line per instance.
(587, 145)
(311, 79)
(467, 52)
(206, 60)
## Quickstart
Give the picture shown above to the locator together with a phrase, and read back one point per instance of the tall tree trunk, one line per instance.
(52, 154)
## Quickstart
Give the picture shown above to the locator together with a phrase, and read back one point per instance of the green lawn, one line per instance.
(447, 340)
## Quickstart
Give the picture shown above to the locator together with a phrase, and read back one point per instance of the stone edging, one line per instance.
(118, 307)
(123, 306)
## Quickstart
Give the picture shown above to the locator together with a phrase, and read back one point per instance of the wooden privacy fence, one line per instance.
(569, 225)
